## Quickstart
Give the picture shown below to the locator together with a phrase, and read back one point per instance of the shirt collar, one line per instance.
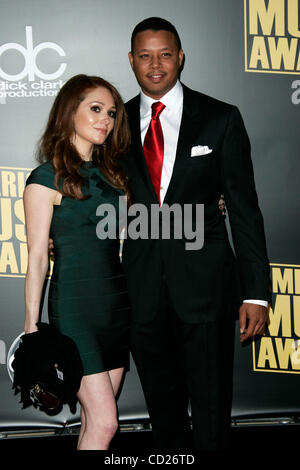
(172, 100)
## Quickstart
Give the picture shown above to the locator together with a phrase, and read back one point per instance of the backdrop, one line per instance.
(243, 52)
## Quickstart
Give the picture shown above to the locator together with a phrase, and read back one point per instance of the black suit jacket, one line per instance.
(209, 282)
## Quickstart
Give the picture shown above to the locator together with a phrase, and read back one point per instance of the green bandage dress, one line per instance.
(88, 298)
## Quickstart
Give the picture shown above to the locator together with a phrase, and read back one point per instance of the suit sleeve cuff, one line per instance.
(264, 303)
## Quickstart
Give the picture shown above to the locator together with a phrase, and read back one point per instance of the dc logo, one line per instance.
(30, 54)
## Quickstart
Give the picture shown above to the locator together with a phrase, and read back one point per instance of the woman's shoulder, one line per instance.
(44, 174)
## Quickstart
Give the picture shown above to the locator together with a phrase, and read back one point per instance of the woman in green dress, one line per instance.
(86, 135)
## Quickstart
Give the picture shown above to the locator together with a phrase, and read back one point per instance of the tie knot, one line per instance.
(157, 108)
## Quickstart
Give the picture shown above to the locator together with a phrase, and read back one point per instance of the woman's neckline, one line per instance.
(89, 164)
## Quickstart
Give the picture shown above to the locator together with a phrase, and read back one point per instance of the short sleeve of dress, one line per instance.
(44, 175)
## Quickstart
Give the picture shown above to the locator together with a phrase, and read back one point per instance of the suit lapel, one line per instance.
(191, 124)
(133, 110)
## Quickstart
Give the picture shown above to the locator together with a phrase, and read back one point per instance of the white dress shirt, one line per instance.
(170, 120)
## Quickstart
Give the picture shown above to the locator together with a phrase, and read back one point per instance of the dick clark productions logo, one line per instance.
(24, 82)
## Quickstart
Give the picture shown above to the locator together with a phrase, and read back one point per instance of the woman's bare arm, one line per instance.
(38, 207)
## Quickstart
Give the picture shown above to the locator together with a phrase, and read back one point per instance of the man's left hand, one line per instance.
(252, 319)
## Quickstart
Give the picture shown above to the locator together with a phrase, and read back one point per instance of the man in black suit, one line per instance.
(184, 301)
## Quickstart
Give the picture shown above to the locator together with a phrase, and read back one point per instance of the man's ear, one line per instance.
(181, 57)
(130, 57)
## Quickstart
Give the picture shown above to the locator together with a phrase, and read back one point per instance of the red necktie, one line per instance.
(154, 147)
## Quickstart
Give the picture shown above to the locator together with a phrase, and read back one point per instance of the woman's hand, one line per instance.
(51, 248)
(29, 328)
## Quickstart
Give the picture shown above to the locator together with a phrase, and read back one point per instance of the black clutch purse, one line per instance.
(47, 370)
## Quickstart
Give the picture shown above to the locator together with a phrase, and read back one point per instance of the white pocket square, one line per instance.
(200, 150)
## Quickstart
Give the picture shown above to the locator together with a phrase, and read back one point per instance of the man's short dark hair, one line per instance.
(155, 24)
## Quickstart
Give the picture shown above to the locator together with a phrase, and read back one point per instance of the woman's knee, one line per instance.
(100, 415)
(111, 427)
(104, 428)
